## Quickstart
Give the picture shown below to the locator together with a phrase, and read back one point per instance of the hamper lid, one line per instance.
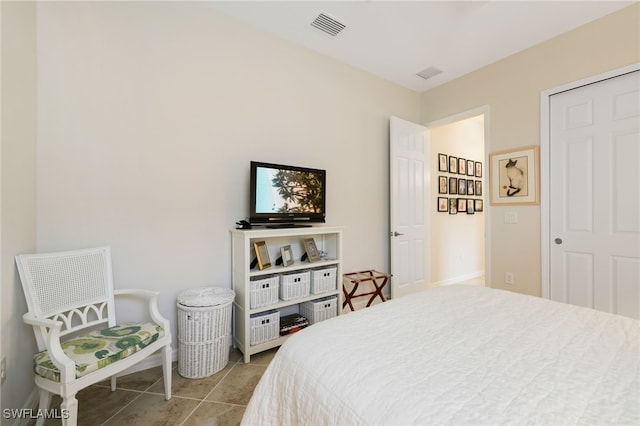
(205, 296)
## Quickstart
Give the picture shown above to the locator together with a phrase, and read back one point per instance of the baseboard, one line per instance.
(457, 280)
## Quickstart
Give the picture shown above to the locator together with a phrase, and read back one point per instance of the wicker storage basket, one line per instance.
(294, 285)
(323, 280)
(265, 326)
(204, 327)
(263, 291)
(319, 309)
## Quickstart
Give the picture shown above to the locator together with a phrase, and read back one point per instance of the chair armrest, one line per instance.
(48, 332)
(152, 297)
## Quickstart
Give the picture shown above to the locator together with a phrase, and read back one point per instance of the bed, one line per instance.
(456, 355)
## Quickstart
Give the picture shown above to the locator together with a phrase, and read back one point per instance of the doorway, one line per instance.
(458, 245)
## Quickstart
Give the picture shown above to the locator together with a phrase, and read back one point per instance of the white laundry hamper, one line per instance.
(204, 329)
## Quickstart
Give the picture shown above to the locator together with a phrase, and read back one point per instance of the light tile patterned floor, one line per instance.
(139, 397)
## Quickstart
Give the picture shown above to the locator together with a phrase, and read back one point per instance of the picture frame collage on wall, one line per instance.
(463, 179)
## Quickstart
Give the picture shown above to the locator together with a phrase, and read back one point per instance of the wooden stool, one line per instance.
(377, 278)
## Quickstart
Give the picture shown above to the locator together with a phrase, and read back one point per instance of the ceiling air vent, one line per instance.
(427, 73)
(327, 24)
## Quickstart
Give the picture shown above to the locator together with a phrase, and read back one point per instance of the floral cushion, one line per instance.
(99, 348)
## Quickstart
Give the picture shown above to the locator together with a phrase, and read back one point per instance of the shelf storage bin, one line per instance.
(295, 285)
(323, 280)
(319, 309)
(265, 326)
(204, 329)
(263, 291)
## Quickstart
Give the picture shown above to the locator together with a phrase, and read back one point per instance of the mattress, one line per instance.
(456, 355)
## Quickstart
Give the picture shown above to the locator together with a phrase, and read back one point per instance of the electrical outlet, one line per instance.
(3, 369)
(508, 277)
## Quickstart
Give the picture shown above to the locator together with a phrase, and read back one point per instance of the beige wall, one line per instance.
(18, 190)
(511, 88)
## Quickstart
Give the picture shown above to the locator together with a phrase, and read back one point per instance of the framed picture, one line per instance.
(470, 207)
(442, 163)
(471, 168)
(442, 184)
(262, 254)
(478, 205)
(470, 187)
(478, 184)
(453, 185)
(453, 206)
(462, 166)
(287, 255)
(443, 204)
(513, 176)
(453, 164)
(313, 255)
(462, 186)
(462, 205)
(478, 169)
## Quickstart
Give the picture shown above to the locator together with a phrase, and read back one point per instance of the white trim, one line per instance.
(485, 111)
(545, 100)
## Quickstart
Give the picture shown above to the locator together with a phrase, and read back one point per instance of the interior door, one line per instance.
(409, 210)
(595, 196)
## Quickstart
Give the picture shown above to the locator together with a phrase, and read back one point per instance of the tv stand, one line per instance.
(288, 225)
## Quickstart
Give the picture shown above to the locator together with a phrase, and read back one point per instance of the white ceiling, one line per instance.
(397, 39)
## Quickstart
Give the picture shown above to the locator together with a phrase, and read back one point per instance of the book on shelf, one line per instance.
(292, 323)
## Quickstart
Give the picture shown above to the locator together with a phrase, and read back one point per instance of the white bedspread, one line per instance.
(456, 355)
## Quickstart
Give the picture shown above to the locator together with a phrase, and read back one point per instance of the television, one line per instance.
(284, 196)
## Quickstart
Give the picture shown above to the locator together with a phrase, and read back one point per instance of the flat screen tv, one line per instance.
(286, 196)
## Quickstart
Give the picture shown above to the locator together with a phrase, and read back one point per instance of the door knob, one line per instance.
(558, 241)
(395, 234)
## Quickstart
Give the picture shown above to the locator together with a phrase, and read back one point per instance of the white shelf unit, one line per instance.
(327, 239)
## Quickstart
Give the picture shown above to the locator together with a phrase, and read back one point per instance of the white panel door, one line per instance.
(409, 211)
(595, 196)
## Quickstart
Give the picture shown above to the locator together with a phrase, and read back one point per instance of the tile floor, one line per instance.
(139, 397)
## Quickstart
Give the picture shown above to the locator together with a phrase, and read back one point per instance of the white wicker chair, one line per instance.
(72, 291)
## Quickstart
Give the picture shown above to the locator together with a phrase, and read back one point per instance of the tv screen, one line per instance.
(286, 194)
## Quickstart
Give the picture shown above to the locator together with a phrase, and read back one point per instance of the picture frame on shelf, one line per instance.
(453, 164)
(262, 254)
(514, 176)
(471, 168)
(443, 204)
(462, 166)
(442, 184)
(478, 169)
(478, 205)
(470, 187)
(287, 255)
(313, 255)
(442, 163)
(453, 185)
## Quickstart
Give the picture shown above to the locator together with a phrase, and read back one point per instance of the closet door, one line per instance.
(595, 196)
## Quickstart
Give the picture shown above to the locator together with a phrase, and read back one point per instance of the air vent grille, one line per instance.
(327, 24)
(427, 73)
